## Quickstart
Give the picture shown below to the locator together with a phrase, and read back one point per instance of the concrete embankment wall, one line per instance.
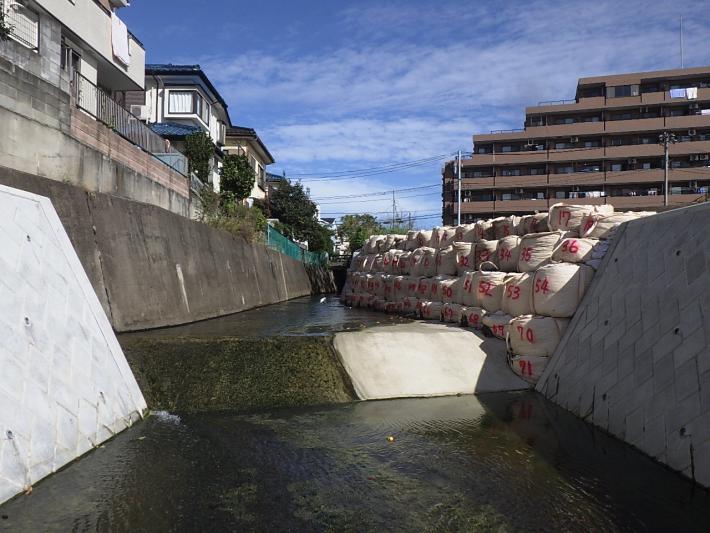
(152, 268)
(635, 360)
(66, 386)
(205, 374)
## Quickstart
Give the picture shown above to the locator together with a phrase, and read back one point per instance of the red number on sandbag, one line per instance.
(563, 213)
(386, 261)
(499, 330)
(526, 253)
(541, 285)
(506, 253)
(525, 367)
(506, 230)
(485, 255)
(529, 336)
(512, 292)
(434, 288)
(463, 260)
(570, 246)
(467, 285)
(484, 287)
(448, 292)
(473, 319)
(588, 224)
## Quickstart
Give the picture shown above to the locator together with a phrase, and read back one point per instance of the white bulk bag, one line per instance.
(424, 288)
(436, 237)
(403, 263)
(427, 266)
(378, 304)
(508, 251)
(446, 261)
(435, 287)
(569, 217)
(388, 281)
(387, 260)
(498, 323)
(473, 317)
(410, 305)
(529, 367)
(368, 263)
(465, 233)
(386, 244)
(464, 257)
(452, 313)
(558, 288)
(378, 265)
(378, 283)
(485, 251)
(431, 310)
(488, 287)
(536, 335)
(517, 294)
(399, 289)
(536, 223)
(574, 250)
(449, 290)
(423, 238)
(411, 243)
(411, 286)
(358, 263)
(364, 284)
(536, 250)
(467, 296)
(415, 262)
(483, 230)
(601, 226)
(505, 226)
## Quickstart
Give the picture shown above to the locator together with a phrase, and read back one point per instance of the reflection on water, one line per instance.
(301, 316)
(498, 462)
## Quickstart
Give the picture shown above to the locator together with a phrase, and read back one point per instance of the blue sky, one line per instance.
(340, 85)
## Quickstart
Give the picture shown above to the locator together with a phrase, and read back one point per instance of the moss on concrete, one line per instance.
(194, 374)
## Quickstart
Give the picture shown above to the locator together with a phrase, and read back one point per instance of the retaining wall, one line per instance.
(635, 360)
(66, 385)
(152, 268)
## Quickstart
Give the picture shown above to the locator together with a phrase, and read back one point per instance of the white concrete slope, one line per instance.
(424, 359)
(65, 385)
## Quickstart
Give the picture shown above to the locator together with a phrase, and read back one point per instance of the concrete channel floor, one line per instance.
(424, 359)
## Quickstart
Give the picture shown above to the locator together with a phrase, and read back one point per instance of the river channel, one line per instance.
(496, 462)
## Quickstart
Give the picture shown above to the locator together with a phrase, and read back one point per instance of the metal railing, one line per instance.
(103, 108)
(23, 23)
(556, 102)
(281, 243)
(517, 130)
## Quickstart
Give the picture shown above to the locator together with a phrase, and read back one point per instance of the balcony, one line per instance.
(688, 122)
(576, 154)
(521, 206)
(537, 180)
(565, 130)
(690, 147)
(584, 104)
(641, 124)
(510, 158)
(474, 207)
(577, 178)
(477, 183)
(634, 151)
(635, 176)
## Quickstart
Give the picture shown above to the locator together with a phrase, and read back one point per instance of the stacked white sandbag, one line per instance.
(453, 313)
(508, 252)
(464, 256)
(473, 317)
(446, 261)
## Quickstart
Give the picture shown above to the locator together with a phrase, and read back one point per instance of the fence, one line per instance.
(23, 24)
(104, 109)
(277, 241)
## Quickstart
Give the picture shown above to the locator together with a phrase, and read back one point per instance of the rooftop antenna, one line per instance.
(681, 41)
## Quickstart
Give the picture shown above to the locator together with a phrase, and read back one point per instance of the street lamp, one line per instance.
(665, 139)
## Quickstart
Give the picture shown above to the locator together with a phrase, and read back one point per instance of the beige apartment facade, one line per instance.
(600, 148)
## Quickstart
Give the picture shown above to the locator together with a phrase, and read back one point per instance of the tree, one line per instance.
(297, 212)
(356, 229)
(199, 150)
(237, 176)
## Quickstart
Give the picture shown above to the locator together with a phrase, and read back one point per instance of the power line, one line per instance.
(374, 200)
(379, 193)
(359, 171)
(376, 173)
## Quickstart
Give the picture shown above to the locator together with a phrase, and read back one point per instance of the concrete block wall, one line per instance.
(152, 268)
(66, 384)
(635, 360)
(68, 145)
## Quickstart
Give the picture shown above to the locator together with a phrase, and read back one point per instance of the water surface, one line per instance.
(501, 462)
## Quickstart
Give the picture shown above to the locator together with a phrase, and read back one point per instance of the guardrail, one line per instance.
(103, 108)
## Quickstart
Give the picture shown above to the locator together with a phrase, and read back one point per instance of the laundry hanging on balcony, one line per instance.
(691, 93)
(678, 93)
(119, 40)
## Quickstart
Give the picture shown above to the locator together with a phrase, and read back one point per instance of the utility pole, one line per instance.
(458, 175)
(665, 139)
(394, 207)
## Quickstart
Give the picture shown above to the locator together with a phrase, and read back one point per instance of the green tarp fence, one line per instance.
(281, 243)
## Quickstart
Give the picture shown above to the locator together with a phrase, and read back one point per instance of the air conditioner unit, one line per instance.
(574, 140)
(141, 111)
(692, 132)
(519, 191)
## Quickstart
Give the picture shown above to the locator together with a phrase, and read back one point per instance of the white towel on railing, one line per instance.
(119, 40)
(691, 93)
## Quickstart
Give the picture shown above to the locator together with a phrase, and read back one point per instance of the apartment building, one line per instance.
(246, 142)
(601, 147)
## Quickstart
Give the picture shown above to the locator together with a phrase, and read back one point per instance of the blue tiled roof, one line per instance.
(171, 129)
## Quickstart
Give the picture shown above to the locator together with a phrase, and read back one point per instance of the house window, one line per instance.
(622, 90)
(616, 167)
(188, 103)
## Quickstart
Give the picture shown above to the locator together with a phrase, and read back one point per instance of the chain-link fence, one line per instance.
(277, 241)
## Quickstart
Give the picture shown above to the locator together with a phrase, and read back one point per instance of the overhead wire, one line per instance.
(372, 169)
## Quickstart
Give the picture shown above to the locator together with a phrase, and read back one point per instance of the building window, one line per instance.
(617, 167)
(185, 102)
(622, 90)
(510, 172)
(506, 148)
(565, 169)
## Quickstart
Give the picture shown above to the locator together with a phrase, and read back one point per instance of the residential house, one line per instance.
(245, 141)
(65, 72)
(180, 100)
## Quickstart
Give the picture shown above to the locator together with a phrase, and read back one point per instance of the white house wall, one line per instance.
(93, 25)
(66, 384)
